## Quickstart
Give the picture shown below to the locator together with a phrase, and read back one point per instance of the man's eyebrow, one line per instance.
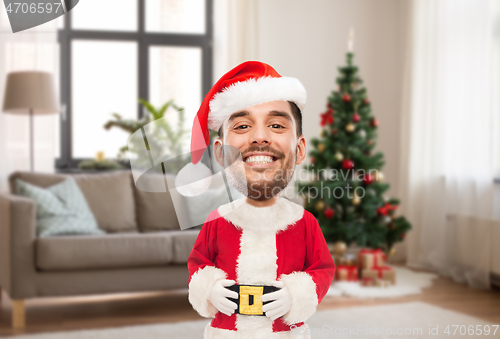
(281, 114)
(237, 115)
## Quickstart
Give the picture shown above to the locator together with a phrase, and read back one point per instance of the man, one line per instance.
(261, 269)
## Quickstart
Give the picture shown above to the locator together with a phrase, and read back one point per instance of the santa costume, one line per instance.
(255, 245)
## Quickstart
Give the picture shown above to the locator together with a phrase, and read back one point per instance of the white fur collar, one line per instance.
(274, 218)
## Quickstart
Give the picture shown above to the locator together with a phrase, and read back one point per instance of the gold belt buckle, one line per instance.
(249, 298)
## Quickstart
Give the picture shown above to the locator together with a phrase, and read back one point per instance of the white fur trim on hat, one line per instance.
(253, 92)
(193, 180)
(304, 297)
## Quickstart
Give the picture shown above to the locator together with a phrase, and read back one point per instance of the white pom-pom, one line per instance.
(193, 180)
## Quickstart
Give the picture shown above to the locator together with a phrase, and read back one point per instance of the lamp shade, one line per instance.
(30, 90)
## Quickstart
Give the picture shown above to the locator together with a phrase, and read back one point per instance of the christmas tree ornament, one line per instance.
(403, 235)
(366, 101)
(312, 160)
(329, 213)
(369, 142)
(392, 252)
(319, 206)
(350, 127)
(368, 179)
(384, 210)
(356, 200)
(387, 219)
(339, 248)
(380, 176)
(328, 105)
(326, 118)
(339, 156)
(335, 131)
(346, 97)
(356, 117)
(321, 147)
(347, 164)
(362, 134)
(374, 123)
(330, 111)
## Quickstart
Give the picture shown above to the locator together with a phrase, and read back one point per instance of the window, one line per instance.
(117, 51)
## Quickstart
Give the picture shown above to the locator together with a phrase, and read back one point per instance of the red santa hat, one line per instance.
(248, 84)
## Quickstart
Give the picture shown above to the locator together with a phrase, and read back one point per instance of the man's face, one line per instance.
(266, 137)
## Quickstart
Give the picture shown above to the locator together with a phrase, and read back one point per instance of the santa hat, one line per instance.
(248, 84)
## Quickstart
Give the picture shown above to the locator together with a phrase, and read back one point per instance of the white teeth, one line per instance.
(261, 159)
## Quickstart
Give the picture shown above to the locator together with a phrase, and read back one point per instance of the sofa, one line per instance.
(143, 248)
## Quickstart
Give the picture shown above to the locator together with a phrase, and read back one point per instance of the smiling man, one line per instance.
(259, 270)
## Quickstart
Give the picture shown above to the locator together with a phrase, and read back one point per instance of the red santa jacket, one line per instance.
(258, 246)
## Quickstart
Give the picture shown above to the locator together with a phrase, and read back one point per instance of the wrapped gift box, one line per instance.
(346, 273)
(385, 273)
(366, 281)
(369, 258)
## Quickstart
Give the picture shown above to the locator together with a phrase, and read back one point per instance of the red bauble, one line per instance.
(330, 111)
(366, 101)
(356, 117)
(368, 179)
(326, 119)
(374, 122)
(347, 164)
(346, 97)
(403, 235)
(313, 160)
(329, 213)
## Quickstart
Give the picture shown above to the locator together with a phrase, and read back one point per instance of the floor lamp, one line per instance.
(30, 93)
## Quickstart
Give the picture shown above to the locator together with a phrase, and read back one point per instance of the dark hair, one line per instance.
(297, 115)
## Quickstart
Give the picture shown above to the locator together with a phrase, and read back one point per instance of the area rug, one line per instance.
(408, 282)
(408, 320)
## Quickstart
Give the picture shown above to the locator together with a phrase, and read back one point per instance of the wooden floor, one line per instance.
(59, 314)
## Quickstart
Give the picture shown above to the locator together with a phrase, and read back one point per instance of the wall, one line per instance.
(308, 40)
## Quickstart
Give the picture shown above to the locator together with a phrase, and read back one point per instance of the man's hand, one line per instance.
(281, 304)
(219, 296)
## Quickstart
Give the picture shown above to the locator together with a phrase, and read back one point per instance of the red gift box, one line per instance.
(347, 273)
(378, 255)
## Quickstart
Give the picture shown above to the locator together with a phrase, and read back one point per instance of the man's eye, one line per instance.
(276, 126)
(241, 127)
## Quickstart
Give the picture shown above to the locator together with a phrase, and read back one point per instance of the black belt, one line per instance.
(249, 302)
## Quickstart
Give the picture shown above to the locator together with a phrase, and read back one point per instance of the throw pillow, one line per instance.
(61, 209)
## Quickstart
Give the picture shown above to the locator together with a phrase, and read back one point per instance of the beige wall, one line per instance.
(308, 40)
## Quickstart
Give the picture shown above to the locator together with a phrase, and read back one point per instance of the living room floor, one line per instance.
(94, 312)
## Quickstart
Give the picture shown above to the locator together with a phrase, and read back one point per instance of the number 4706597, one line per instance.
(41, 7)
(471, 330)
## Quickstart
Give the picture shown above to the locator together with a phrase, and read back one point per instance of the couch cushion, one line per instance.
(103, 252)
(60, 209)
(183, 242)
(111, 199)
(109, 195)
(155, 209)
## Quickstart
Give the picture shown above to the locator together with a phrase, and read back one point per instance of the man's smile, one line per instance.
(260, 159)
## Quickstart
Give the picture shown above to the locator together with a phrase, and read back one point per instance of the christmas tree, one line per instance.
(346, 189)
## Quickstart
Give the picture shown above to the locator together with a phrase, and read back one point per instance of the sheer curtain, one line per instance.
(447, 125)
(33, 49)
(235, 34)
